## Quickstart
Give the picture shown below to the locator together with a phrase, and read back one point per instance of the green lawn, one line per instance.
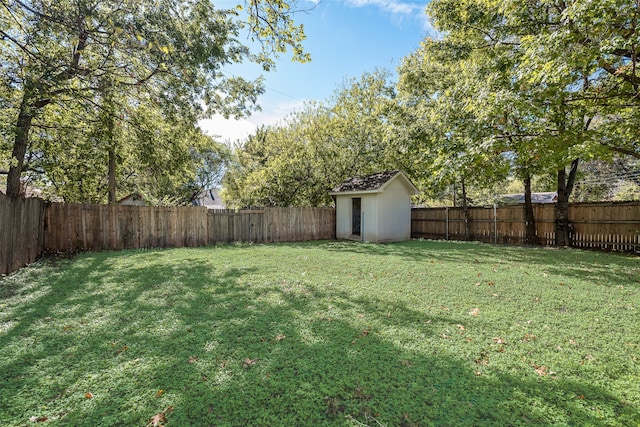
(323, 333)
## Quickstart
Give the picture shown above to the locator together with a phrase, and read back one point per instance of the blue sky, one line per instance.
(345, 38)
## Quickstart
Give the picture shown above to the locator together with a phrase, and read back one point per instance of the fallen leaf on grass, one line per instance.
(587, 358)
(280, 337)
(159, 393)
(460, 327)
(499, 340)
(483, 358)
(475, 312)
(159, 419)
(334, 405)
(543, 370)
(249, 362)
(88, 395)
(192, 359)
(360, 394)
(38, 419)
(407, 422)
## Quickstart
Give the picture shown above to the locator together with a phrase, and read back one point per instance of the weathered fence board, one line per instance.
(226, 226)
(70, 227)
(605, 226)
(21, 232)
(74, 226)
(608, 226)
(29, 226)
(299, 224)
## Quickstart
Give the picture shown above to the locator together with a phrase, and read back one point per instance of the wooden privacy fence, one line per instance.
(271, 225)
(29, 226)
(87, 227)
(21, 232)
(605, 226)
(70, 227)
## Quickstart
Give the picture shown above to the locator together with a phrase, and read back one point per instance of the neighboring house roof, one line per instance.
(374, 183)
(210, 199)
(29, 191)
(548, 197)
(134, 199)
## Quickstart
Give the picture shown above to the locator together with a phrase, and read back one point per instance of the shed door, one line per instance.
(356, 208)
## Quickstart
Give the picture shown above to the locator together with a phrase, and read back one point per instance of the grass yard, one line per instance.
(323, 333)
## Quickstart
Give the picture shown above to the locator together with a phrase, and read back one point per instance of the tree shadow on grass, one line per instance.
(222, 348)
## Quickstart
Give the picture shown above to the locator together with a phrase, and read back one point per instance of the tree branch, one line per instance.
(622, 150)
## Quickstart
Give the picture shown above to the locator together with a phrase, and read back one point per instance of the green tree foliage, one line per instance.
(166, 55)
(167, 161)
(542, 84)
(297, 164)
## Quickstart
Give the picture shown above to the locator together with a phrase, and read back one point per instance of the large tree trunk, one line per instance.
(20, 145)
(565, 187)
(455, 199)
(36, 96)
(110, 125)
(112, 176)
(28, 110)
(530, 221)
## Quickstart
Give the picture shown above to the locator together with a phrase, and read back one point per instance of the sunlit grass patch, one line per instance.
(324, 333)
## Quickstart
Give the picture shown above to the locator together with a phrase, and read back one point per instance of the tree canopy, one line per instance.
(299, 162)
(507, 90)
(90, 77)
(540, 84)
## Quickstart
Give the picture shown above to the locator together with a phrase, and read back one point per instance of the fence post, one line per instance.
(447, 221)
(495, 224)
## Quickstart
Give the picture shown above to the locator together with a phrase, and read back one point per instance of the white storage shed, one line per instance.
(374, 208)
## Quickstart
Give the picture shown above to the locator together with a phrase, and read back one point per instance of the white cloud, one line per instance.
(399, 10)
(230, 131)
(395, 7)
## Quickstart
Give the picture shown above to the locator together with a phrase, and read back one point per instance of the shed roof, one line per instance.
(374, 183)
